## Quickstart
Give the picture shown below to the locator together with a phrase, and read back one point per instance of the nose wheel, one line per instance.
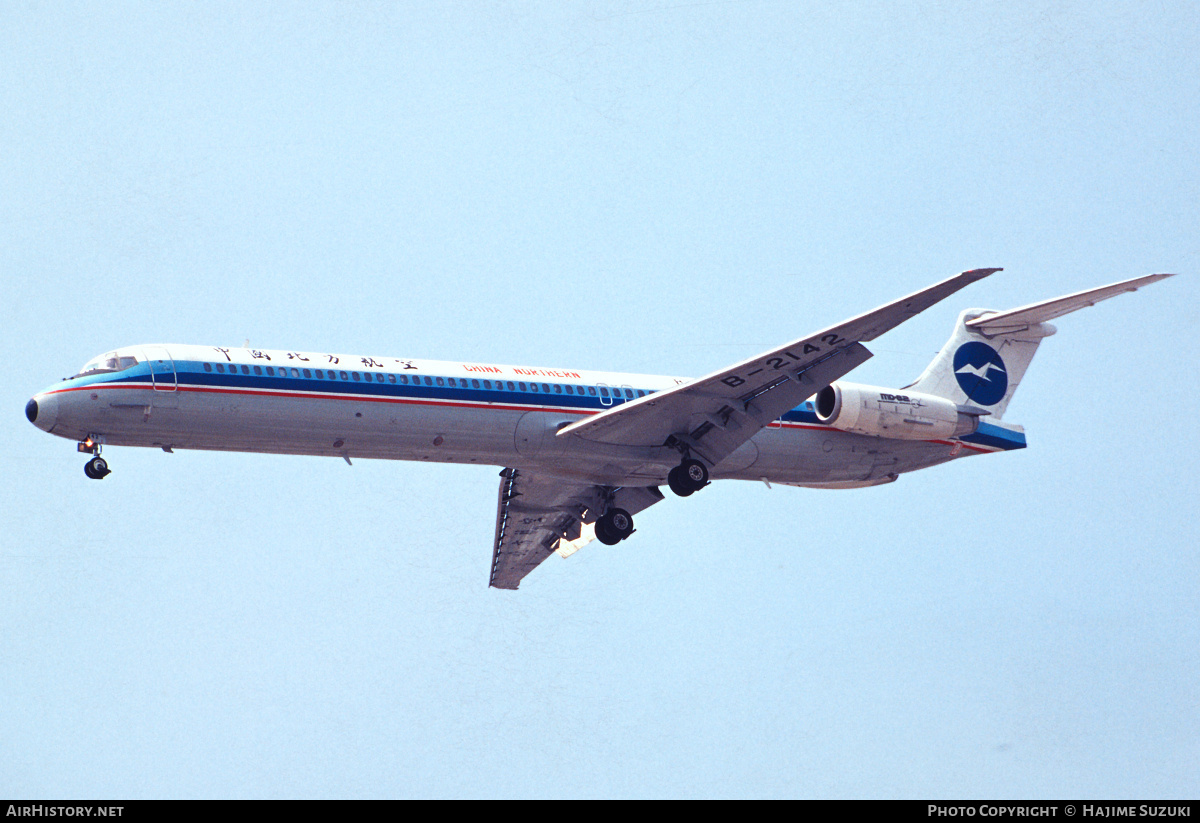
(97, 468)
(688, 477)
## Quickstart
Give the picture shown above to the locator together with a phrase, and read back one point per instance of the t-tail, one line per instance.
(985, 358)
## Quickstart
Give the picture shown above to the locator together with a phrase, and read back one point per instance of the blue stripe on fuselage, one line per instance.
(190, 373)
(997, 437)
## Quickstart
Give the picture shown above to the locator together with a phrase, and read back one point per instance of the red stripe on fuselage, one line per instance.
(324, 396)
(437, 403)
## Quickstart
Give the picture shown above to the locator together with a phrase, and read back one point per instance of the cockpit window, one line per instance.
(110, 362)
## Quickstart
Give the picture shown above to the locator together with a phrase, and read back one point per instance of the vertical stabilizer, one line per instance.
(975, 369)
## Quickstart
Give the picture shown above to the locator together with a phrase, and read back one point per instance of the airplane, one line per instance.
(582, 451)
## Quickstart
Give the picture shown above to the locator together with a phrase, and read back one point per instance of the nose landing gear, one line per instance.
(96, 468)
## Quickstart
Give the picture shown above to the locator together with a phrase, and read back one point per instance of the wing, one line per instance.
(539, 514)
(714, 415)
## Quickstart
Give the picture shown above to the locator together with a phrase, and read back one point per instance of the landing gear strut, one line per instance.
(614, 526)
(688, 477)
(96, 468)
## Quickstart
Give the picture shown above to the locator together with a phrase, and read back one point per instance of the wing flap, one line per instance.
(538, 514)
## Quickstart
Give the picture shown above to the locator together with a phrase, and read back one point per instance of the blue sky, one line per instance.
(630, 186)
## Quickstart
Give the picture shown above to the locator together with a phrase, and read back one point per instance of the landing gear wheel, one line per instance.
(604, 534)
(696, 473)
(620, 523)
(614, 526)
(688, 477)
(678, 482)
(96, 468)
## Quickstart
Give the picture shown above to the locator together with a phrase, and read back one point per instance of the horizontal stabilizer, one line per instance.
(1024, 317)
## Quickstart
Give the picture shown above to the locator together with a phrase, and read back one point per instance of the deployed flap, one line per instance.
(536, 513)
(1015, 320)
(717, 413)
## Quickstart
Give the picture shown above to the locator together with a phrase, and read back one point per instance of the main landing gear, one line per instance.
(96, 468)
(614, 526)
(688, 477)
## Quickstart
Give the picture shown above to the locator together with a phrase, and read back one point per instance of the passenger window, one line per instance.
(295, 372)
(474, 384)
(404, 378)
(270, 371)
(258, 370)
(603, 391)
(428, 381)
(355, 376)
(533, 387)
(208, 366)
(320, 374)
(344, 376)
(308, 374)
(511, 387)
(592, 391)
(521, 386)
(641, 393)
(569, 389)
(452, 383)
(391, 378)
(221, 368)
(487, 384)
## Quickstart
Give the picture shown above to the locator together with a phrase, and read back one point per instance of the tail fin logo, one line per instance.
(981, 373)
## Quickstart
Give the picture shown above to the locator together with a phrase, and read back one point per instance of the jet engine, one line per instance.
(893, 413)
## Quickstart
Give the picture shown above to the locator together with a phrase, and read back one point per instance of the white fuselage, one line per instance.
(193, 397)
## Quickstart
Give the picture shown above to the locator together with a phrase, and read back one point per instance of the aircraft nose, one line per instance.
(42, 411)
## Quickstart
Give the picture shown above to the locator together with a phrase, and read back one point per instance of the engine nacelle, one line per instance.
(894, 413)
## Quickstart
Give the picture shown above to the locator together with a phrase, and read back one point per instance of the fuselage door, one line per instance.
(162, 369)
